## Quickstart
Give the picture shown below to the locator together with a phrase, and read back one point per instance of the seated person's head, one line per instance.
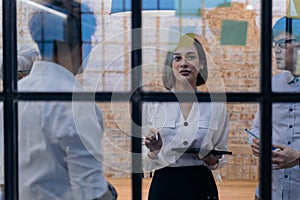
(58, 28)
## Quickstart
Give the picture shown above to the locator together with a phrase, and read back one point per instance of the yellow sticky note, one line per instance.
(294, 9)
(297, 70)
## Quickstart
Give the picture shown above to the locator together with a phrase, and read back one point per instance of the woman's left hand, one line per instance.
(285, 158)
(209, 159)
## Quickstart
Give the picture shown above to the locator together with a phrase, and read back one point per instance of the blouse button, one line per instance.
(291, 126)
(185, 142)
(185, 123)
(291, 109)
(289, 142)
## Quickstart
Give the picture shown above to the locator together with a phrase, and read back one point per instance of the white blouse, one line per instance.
(206, 127)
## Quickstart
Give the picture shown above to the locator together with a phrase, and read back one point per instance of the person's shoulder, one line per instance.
(151, 106)
(214, 104)
(280, 82)
(284, 75)
(213, 107)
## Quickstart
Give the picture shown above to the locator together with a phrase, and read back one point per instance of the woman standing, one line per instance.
(177, 126)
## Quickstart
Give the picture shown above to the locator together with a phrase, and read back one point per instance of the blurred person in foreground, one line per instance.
(59, 142)
(285, 117)
(26, 56)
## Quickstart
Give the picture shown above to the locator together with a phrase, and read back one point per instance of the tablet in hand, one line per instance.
(197, 150)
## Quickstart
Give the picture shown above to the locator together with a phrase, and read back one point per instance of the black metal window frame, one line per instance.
(10, 97)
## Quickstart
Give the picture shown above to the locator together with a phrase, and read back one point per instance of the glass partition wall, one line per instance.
(124, 48)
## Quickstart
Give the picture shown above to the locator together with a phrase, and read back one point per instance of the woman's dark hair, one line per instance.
(168, 77)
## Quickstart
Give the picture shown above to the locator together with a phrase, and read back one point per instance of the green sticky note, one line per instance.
(234, 32)
(188, 8)
(192, 8)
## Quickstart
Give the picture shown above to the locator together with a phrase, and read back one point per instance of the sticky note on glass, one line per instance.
(192, 8)
(234, 32)
(297, 68)
(175, 32)
(188, 8)
(294, 9)
(216, 3)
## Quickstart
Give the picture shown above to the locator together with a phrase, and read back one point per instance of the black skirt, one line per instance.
(183, 183)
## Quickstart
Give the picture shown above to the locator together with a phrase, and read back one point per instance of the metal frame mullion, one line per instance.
(136, 104)
(149, 96)
(266, 101)
(9, 105)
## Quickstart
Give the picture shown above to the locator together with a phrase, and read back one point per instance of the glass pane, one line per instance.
(63, 150)
(117, 139)
(179, 132)
(242, 165)
(81, 37)
(229, 32)
(285, 138)
(117, 146)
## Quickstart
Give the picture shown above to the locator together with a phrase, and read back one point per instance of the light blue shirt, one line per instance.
(286, 131)
(59, 142)
(206, 127)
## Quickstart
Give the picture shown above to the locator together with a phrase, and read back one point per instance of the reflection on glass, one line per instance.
(60, 147)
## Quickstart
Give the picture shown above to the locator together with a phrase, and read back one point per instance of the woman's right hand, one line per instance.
(153, 141)
(255, 147)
